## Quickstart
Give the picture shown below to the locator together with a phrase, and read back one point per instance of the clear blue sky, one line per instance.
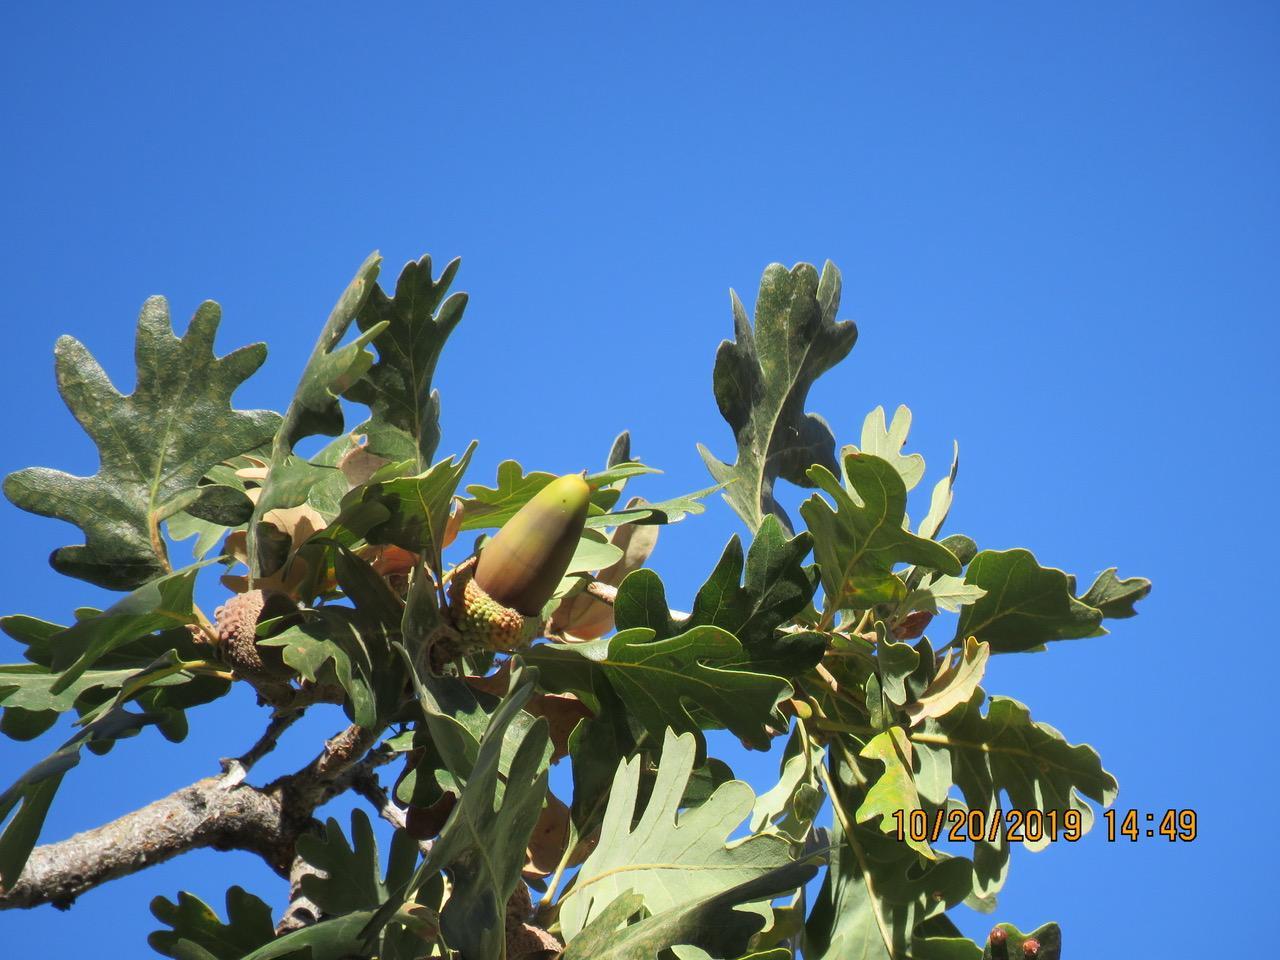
(1058, 230)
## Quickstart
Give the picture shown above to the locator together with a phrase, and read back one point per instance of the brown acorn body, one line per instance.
(522, 566)
(498, 602)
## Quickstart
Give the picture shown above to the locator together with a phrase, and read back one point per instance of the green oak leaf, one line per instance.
(872, 900)
(331, 369)
(709, 923)
(1007, 752)
(32, 793)
(418, 507)
(887, 442)
(858, 543)
(315, 408)
(183, 526)
(159, 604)
(790, 806)
(141, 666)
(336, 938)
(482, 844)
(1115, 597)
(404, 423)
(777, 586)
(1031, 762)
(762, 379)
(662, 681)
(597, 745)
(938, 938)
(671, 510)
(1025, 604)
(940, 501)
(29, 686)
(333, 646)
(594, 552)
(895, 662)
(668, 857)
(937, 592)
(350, 878)
(154, 445)
(198, 934)
(493, 506)
(893, 790)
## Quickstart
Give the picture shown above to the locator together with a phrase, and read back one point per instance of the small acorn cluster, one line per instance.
(497, 601)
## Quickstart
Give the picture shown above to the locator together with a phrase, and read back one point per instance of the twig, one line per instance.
(365, 782)
(235, 769)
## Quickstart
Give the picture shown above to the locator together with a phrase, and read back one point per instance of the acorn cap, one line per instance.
(523, 564)
(482, 621)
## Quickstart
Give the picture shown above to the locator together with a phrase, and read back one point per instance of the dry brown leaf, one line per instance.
(298, 524)
(358, 464)
(584, 617)
(454, 524)
(547, 842)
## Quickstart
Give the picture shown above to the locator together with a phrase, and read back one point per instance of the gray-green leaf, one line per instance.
(668, 858)
(762, 379)
(155, 444)
(1025, 604)
(859, 542)
(405, 411)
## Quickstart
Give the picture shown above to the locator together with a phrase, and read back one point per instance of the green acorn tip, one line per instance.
(523, 564)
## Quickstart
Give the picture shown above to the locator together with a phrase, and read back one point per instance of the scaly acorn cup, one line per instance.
(500, 605)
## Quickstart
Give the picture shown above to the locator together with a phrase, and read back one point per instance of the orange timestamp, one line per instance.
(1172, 825)
(1033, 826)
(961, 826)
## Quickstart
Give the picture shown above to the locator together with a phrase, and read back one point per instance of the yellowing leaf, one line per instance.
(954, 682)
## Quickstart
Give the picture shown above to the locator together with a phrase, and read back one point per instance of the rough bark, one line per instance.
(218, 812)
(208, 813)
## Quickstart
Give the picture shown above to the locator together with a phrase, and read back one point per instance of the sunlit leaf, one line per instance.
(154, 445)
(762, 379)
(668, 857)
(404, 421)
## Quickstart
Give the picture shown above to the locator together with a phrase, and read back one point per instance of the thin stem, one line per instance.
(560, 868)
(157, 541)
(822, 722)
(205, 626)
(235, 769)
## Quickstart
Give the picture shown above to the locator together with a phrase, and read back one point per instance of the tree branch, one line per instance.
(218, 812)
(205, 814)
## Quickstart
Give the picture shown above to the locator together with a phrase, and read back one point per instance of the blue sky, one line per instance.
(1057, 225)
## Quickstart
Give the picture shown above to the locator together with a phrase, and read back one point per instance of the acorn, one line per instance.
(498, 603)
(236, 623)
